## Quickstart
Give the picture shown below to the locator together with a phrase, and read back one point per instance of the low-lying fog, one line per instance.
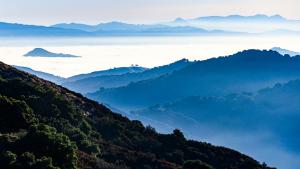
(108, 52)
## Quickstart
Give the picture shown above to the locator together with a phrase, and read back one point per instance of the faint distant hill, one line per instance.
(257, 17)
(94, 81)
(120, 28)
(40, 52)
(254, 24)
(210, 25)
(79, 26)
(249, 70)
(73, 79)
(285, 51)
(104, 29)
(230, 18)
(21, 30)
(43, 75)
(110, 26)
(108, 72)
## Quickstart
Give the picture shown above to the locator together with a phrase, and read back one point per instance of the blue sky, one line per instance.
(136, 11)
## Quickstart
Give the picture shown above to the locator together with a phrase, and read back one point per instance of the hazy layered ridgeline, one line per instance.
(105, 29)
(43, 75)
(93, 82)
(216, 100)
(246, 100)
(209, 25)
(110, 72)
(245, 71)
(56, 128)
(259, 23)
(177, 47)
(258, 123)
(223, 97)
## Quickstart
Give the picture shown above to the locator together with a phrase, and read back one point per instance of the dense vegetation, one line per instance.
(44, 126)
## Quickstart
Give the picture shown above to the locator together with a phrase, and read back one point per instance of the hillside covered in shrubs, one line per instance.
(45, 126)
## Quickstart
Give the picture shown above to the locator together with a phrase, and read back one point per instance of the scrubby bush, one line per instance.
(7, 159)
(43, 140)
(15, 115)
(196, 164)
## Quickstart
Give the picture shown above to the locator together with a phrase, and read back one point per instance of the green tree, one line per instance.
(43, 140)
(196, 164)
(15, 115)
(7, 159)
(26, 160)
(44, 163)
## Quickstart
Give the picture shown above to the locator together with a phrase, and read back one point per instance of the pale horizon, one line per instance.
(141, 22)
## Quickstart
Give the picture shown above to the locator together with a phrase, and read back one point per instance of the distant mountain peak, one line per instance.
(179, 20)
(40, 52)
(285, 51)
(257, 16)
(116, 23)
(277, 17)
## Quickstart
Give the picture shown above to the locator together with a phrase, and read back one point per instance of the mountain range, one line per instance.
(22, 30)
(216, 100)
(94, 81)
(210, 25)
(106, 29)
(252, 24)
(248, 71)
(55, 128)
(110, 26)
(247, 101)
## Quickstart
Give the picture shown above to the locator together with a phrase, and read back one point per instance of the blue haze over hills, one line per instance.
(43, 75)
(245, 71)
(264, 124)
(248, 101)
(252, 24)
(238, 101)
(88, 83)
(20, 30)
(108, 29)
(230, 100)
(210, 25)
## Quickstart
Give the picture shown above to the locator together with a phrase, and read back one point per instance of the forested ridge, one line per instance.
(45, 126)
